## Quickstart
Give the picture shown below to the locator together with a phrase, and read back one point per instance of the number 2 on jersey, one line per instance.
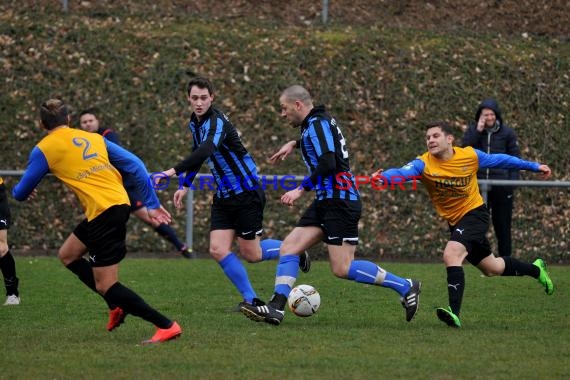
(83, 142)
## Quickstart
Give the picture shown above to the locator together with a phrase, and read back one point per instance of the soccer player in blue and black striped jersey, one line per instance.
(332, 217)
(237, 207)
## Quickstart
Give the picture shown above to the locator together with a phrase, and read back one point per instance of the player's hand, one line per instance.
(291, 196)
(545, 170)
(179, 196)
(375, 177)
(282, 154)
(32, 195)
(160, 215)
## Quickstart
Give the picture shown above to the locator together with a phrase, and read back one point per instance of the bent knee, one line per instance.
(217, 253)
(490, 273)
(65, 257)
(101, 290)
(251, 256)
(340, 272)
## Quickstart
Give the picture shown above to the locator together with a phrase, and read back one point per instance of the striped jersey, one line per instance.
(231, 165)
(320, 134)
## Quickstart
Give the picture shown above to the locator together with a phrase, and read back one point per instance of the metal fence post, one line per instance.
(325, 12)
(484, 187)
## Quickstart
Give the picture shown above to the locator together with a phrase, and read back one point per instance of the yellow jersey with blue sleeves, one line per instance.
(452, 184)
(1, 181)
(87, 164)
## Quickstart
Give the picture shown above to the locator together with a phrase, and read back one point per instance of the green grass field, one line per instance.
(512, 330)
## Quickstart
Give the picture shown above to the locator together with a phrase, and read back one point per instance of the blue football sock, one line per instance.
(270, 249)
(286, 275)
(235, 271)
(369, 273)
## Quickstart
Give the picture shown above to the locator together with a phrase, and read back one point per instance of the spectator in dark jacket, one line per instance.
(491, 135)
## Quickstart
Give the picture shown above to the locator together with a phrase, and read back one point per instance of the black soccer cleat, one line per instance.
(186, 252)
(411, 301)
(305, 262)
(448, 317)
(265, 313)
(254, 302)
(273, 313)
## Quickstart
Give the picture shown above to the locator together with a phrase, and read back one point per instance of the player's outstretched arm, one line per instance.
(282, 153)
(37, 168)
(375, 177)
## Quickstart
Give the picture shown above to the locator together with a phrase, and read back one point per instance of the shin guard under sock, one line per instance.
(455, 287)
(514, 267)
(133, 304)
(84, 272)
(8, 267)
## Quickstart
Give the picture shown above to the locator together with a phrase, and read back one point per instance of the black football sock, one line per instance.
(8, 267)
(169, 234)
(133, 304)
(514, 267)
(455, 287)
(84, 272)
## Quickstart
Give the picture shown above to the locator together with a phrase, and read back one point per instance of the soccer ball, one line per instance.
(304, 300)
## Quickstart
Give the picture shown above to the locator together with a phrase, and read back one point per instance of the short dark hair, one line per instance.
(200, 82)
(91, 111)
(53, 113)
(445, 127)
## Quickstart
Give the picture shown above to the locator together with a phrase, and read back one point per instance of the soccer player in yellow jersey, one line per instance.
(89, 121)
(7, 263)
(85, 162)
(450, 175)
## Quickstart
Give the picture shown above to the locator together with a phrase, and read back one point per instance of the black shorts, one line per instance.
(105, 236)
(471, 231)
(5, 216)
(242, 213)
(336, 217)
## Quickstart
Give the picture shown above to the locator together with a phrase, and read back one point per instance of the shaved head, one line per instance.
(297, 93)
